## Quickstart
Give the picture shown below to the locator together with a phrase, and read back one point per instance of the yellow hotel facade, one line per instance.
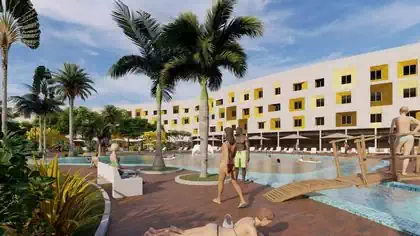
(353, 95)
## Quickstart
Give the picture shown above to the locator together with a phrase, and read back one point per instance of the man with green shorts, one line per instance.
(242, 153)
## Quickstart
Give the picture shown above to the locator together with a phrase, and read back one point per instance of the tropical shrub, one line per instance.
(74, 201)
(53, 136)
(149, 139)
(21, 190)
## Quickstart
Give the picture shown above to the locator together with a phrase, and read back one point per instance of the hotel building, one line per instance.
(353, 95)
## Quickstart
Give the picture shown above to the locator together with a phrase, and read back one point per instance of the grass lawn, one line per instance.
(196, 177)
(167, 168)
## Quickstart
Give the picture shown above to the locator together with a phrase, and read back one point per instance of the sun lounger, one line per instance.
(252, 149)
(313, 150)
(353, 150)
(163, 149)
(264, 150)
(278, 149)
(324, 150)
(259, 149)
(290, 150)
(120, 187)
(342, 150)
(271, 149)
(305, 150)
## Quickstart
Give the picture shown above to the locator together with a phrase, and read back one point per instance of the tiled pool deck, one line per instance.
(166, 203)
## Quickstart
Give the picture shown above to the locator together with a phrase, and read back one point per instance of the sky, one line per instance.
(297, 33)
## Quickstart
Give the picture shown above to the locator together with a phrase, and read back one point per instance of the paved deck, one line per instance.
(168, 203)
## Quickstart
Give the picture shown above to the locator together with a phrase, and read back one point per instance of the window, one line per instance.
(222, 115)
(277, 91)
(319, 121)
(297, 87)
(260, 110)
(277, 107)
(165, 122)
(154, 113)
(320, 102)
(233, 113)
(319, 83)
(277, 124)
(175, 109)
(246, 97)
(260, 125)
(246, 126)
(346, 79)
(232, 99)
(213, 116)
(410, 70)
(246, 112)
(375, 75)
(375, 96)
(129, 113)
(175, 122)
(298, 123)
(197, 108)
(346, 99)
(376, 118)
(234, 127)
(221, 128)
(260, 94)
(298, 105)
(410, 92)
(146, 113)
(137, 114)
(165, 112)
(186, 110)
(186, 121)
(212, 129)
(346, 120)
(219, 102)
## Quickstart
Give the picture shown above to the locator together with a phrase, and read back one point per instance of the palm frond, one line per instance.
(130, 64)
(234, 62)
(218, 16)
(181, 68)
(167, 87)
(183, 32)
(241, 26)
(214, 78)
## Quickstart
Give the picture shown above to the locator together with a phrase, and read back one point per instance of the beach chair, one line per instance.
(325, 150)
(342, 150)
(278, 149)
(305, 150)
(252, 149)
(290, 150)
(353, 150)
(371, 150)
(285, 149)
(313, 150)
(388, 151)
(264, 150)
(259, 149)
(271, 149)
(163, 149)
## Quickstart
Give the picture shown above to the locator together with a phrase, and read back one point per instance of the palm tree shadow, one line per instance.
(275, 229)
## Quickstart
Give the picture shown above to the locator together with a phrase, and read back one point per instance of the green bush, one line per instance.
(21, 190)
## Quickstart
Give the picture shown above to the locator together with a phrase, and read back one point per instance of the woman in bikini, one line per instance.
(226, 168)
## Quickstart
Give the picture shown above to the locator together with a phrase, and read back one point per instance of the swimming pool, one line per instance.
(391, 205)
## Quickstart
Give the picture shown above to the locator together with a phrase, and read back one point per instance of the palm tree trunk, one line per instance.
(40, 134)
(5, 52)
(71, 147)
(45, 136)
(158, 163)
(204, 127)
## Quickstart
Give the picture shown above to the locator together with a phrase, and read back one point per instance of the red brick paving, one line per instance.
(168, 203)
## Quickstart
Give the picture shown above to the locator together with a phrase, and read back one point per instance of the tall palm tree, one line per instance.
(145, 32)
(40, 100)
(207, 48)
(72, 82)
(102, 131)
(18, 23)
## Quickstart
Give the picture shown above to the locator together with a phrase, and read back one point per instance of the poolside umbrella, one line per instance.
(261, 138)
(75, 137)
(337, 136)
(79, 140)
(295, 136)
(118, 140)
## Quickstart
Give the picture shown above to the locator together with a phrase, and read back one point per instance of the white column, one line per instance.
(261, 141)
(345, 132)
(278, 139)
(297, 141)
(212, 142)
(320, 140)
(376, 139)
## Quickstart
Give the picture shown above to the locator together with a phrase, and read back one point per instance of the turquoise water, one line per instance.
(398, 205)
(124, 160)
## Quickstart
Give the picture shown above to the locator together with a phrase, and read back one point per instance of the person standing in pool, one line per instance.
(242, 153)
(226, 168)
(404, 138)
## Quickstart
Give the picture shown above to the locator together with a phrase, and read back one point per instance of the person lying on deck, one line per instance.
(244, 227)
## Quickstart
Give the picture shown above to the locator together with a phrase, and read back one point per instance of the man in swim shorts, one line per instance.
(242, 153)
(403, 136)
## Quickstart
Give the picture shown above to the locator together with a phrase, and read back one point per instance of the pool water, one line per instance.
(391, 206)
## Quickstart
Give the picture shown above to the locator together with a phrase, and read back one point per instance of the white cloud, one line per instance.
(92, 53)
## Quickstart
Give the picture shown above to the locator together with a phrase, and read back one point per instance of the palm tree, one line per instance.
(207, 48)
(102, 131)
(72, 82)
(145, 32)
(40, 100)
(18, 23)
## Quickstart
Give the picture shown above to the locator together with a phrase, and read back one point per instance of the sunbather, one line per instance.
(247, 226)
